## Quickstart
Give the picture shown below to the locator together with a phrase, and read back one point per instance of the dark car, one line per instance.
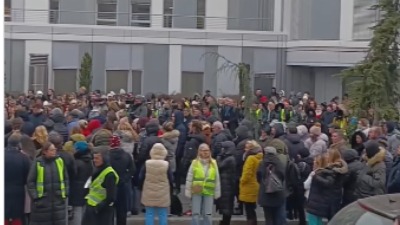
(376, 210)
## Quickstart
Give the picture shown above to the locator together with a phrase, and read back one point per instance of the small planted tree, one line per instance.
(240, 71)
(378, 76)
(85, 73)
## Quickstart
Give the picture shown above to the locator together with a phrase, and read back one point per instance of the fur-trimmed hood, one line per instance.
(339, 167)
(377, 158)
(170, 134)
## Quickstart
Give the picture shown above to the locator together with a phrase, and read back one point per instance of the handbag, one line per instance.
(272, 182)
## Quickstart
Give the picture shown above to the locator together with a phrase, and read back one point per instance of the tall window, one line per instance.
(107, 12)
(168, 6)
(7, 10)
(54, 11)
(140, 13)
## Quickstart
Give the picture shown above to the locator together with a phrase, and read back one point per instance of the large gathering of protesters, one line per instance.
(93, 158)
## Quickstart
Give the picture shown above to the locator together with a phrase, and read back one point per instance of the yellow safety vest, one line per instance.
(40, 178)
(97, 193)
(200, 179)
(283, 115)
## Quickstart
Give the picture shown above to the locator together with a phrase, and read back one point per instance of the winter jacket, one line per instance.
(393, 183)
(248, 186)
(84, 170)
(350, 180)
(326, 190)
(151, 138)
(50, 209)
(340, 146)
(316, 148)
(123, 165)
(294, 145)
(372, 179)
(216, 141)
(393, 142)
(275, 199)
(179, 124)
(16, 169)
(227, 167)
(59, 126)
(170, 141)
(28, 127)
(37, 119)
(230, 115)
(69, 145)
(156, 180)
(190, 151)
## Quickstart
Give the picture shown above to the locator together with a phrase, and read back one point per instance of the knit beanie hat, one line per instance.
(315, 130)
(81, 146)
(102, 138)
(390, 126)
(372, 149)
(115, 141)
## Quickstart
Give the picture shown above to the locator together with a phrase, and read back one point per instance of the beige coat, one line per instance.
(156, 187)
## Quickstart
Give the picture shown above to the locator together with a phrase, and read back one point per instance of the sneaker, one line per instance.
(188, 213)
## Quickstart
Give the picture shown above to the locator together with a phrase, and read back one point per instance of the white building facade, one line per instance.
(169, 46)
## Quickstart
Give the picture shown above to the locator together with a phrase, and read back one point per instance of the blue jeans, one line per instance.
(162, 215)
(202, 207)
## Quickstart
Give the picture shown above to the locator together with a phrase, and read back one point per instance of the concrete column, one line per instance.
(216, 14)
(175, 69)
(37, 11)
(278, 15)
(346, 20)
(157, 13)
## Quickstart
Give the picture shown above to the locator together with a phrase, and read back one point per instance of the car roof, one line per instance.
(384, 205)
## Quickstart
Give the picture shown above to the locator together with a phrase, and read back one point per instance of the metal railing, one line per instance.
(137, 19)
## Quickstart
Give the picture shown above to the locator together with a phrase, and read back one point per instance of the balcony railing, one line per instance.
(137, 19)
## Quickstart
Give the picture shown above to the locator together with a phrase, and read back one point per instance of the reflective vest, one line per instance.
(40, 178)
(200, 179)
(283, 115)
(97, 193)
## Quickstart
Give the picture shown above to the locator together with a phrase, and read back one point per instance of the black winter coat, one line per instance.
(217, 139)
(150, 139)
(84, 167)
(59, 126)
(355, 166)
(190, 151)
(51, 208)
(271, 199)
(326, 190)
(16, 169)
(122, 163)
(227, 167)
(294, 145)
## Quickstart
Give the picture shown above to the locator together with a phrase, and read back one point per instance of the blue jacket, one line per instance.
(180, 126)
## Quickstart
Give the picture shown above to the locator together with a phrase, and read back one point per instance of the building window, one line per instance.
(201, 13)
(192, 82)
(54, 11)
(136, 82)
(117, 80)
(173, 16)
(140, 13)
(264, 82)
(168, 6)
(7, 10)
(38, 72)
(107, 12)
(365, 17)
(65, 80)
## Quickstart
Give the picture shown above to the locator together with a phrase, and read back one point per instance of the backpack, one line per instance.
(272, 182)
(293, 180)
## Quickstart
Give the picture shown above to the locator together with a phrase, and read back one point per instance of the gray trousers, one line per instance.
(78, 215)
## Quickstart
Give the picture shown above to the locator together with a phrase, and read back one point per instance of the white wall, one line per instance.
(37, 47)
(175, 69)
(227, 81)
(216, 14)
(157, 12)
(37, 11)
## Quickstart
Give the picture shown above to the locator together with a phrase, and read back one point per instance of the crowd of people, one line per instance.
(94, 158)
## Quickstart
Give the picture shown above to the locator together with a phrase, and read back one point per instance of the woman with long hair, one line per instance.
(249, 186)
(40, 136)
(327, 189)
(203, 185)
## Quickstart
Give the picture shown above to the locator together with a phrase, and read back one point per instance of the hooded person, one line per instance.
(354, 165)
(293, 142)
(84, 167)
(102, 137)
(372, 179)
(123, 165)
(156, 184)
(152, 129)
(69, 145)
(393, 137)
(57, 116)
(179, 125)
(27, 126)
(227, 166)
